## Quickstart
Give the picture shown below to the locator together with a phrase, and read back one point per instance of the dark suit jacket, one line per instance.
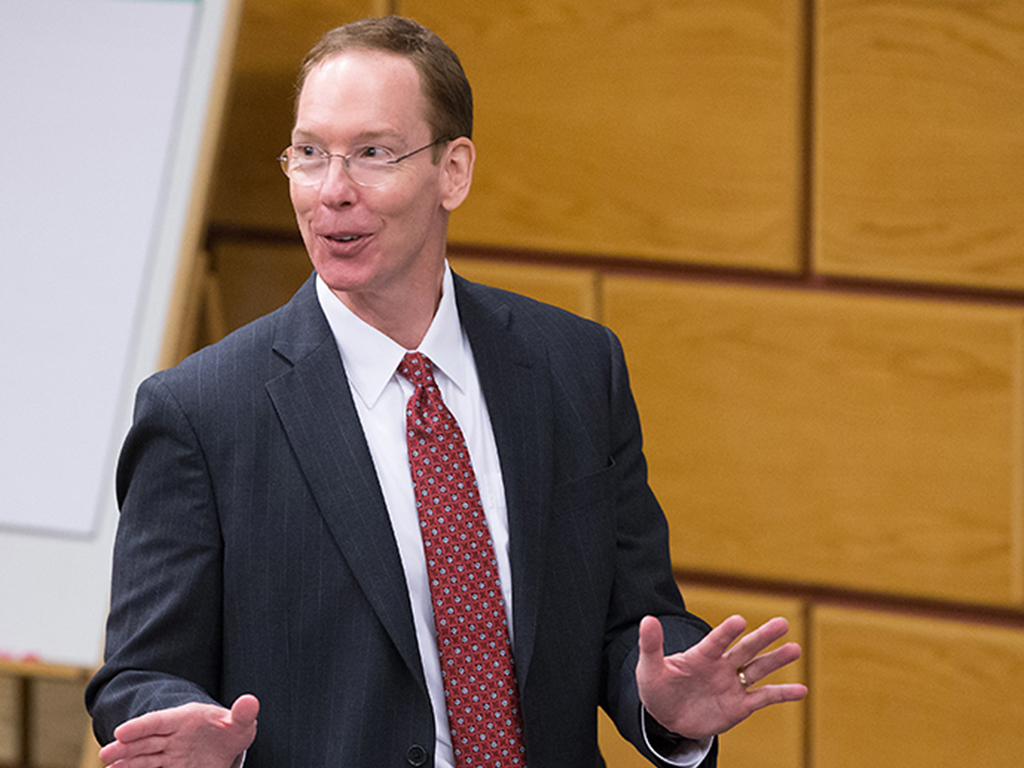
(254, 552)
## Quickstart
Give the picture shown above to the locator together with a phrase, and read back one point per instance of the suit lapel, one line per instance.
(514, 380)
(313, 400)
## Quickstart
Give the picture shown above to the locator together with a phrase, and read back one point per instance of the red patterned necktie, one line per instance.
(469, 612)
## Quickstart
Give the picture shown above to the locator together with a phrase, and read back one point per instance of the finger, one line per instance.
(758, 640)
(156, 723)
(111, 753)
(717, 642)
(118, 751)
(651, 664)
(143, 761)
(767, 663)
(767, 695)
(652, 642)
(124, 750)
(245, 710)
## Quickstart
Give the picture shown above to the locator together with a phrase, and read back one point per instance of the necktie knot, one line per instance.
(417, 368)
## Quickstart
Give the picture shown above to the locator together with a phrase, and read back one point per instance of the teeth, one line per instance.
(346, 238)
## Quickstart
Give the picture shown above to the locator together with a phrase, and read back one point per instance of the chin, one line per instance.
(344, 277)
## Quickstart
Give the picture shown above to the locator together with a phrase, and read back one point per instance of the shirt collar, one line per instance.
(371, 358)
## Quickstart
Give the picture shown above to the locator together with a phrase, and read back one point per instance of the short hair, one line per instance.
(445, 86)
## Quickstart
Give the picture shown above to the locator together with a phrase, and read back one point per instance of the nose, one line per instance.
(337, 188)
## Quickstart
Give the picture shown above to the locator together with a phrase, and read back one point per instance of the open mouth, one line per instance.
(344, 238)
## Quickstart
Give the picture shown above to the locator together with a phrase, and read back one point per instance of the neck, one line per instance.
(405, 316)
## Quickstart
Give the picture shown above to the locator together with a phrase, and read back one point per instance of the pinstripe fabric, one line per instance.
(254, 552)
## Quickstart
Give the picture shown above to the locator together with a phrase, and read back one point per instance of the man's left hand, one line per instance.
(700, 692)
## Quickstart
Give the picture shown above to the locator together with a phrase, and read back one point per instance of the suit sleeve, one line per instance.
(164, 628)
(644, 583)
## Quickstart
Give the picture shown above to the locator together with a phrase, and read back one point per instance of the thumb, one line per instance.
(652, 652)
(244, 710)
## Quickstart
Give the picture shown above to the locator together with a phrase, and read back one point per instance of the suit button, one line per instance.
(416, 755)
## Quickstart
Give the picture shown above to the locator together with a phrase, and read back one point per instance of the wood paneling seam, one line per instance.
(807, 134)
(1017, 515)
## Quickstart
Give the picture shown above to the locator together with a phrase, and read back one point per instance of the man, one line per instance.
(274, 554)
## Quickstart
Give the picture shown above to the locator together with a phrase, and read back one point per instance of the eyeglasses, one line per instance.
(367, 166)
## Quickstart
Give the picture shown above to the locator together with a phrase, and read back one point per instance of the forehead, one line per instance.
(361, 92)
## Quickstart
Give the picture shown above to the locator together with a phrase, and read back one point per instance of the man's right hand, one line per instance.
(190, 736)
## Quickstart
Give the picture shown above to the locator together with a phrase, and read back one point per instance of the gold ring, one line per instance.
(743, 679)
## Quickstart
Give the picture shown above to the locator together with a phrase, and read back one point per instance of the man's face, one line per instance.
(371, 243)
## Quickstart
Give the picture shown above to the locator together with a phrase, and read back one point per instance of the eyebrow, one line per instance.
(359, 139)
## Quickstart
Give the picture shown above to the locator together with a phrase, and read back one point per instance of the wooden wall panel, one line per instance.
(59, 701)
(10, 718)
(617, 752)
(919, 140)
(571, 289)
(914, 692)
(256, 278)
(852, 441)
(666, 130)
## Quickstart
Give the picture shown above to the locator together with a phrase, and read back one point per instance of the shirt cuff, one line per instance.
(671, 748)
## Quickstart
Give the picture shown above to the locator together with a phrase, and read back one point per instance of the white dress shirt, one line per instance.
(380, 394)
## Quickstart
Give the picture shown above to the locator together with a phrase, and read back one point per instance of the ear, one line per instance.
(457, 172)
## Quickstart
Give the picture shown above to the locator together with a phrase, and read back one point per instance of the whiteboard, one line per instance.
(103, 104)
